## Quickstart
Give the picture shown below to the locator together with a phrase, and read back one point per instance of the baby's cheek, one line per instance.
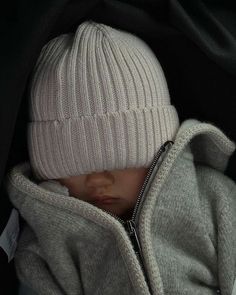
(132, 194)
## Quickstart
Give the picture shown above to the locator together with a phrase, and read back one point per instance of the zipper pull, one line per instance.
(130, 227)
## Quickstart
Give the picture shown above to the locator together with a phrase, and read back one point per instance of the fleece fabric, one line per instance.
(186, 226)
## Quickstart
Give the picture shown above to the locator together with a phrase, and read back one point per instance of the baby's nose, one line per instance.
(100, 179)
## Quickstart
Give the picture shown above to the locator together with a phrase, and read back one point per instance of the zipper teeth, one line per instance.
(161, 150)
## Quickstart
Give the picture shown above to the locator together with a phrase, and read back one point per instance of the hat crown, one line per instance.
(95, 71)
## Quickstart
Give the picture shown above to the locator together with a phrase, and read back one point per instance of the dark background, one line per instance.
(195, 42)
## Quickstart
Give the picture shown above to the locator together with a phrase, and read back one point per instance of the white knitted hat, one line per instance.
(98, 101)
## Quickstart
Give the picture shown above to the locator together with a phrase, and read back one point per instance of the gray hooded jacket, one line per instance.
(185, 225)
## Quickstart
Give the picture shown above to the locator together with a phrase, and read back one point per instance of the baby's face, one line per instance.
(115, 191)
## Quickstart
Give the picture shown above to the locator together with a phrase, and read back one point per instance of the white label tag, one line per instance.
(9, 236)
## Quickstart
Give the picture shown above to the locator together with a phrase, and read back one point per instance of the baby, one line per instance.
(118, 198)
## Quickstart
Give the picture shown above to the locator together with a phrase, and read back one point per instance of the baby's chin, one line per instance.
(121, 212)
(127, 215)
(124, 214)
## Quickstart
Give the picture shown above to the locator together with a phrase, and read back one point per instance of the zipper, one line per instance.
(131, 225)
(131, 229)
(150, 175)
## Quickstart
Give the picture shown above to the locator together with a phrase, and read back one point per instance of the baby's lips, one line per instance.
(103, 199)
(98, 198)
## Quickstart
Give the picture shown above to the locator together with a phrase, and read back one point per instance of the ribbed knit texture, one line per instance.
(98, 101)
(186, 227)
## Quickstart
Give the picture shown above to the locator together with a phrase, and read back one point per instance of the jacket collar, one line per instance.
(207, 143)
(201, 143)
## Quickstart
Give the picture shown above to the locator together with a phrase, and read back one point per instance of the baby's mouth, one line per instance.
(105, 199)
